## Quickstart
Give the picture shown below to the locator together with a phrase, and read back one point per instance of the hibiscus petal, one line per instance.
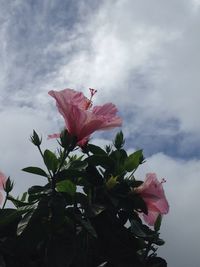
(107, 113)
(79, 119)
(151, 217)
(105, 110)
(162, 205)
(69, 96)
(3, 179)
(92, 125)
(56, 135)
(153, 194)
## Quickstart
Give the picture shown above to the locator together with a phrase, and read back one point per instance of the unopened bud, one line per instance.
(119, 140)
(35, 139)
(67, 140)
(8, 186)
(108, 149)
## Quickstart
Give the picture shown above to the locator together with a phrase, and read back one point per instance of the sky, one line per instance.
(141, 55)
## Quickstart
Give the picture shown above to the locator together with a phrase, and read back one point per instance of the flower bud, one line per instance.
(8, 186)
(67, 140)
(119, 141)
(108, 149)
(35, 139)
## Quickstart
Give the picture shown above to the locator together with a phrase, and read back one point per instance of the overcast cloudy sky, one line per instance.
(141, 55)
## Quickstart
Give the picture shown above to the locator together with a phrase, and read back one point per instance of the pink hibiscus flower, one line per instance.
(81, 120)
(153, 194)
(2, 183)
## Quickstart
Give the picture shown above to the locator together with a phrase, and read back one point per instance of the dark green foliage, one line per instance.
(66, 186)
(35, 170)
(50, 160)
(133, 161)
(85, 215)
(96, 150)
(156, 262)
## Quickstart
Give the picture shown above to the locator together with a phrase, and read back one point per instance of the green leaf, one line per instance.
(35, 170)
(87, 225)
(112, 181)
(141, 230)
(78, 165)
(36, 189)
(66, 186)
(159, 242)
(36, 192)
(71, 174)
(158, 223)
(24, 196)
(36, 228)
(138, 203)
(10, 215)
(18, 203)
(50, 160)
(99, 160)
(133, 161)
(119, 157)
(136, 229)
(133, 183)
(24, 222)
(96, 150)
(123, 216)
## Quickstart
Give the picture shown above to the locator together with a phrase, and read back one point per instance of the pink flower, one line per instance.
(2, 183)
(153, 194)
(2, 180)
(80, 119)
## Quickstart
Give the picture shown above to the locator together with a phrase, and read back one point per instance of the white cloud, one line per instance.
(141, 55)
(147, 53)
(17, 152)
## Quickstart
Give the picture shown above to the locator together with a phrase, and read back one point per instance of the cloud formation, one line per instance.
(141, 55)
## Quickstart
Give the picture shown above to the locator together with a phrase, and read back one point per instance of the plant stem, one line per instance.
(43, 160)
(65, 155)
(5, 201)
(53, 178)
